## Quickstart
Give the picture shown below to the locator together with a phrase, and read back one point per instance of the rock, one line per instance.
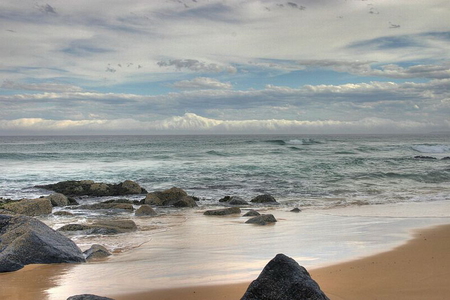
(63, 213)
(424, 157)
(91, 188)
(88, 297)
(225, 199)
(58, 199)
(264, 199)
(252, 213)
(25, 240)
(262, 220)
(122, 206)
(102, 227)
(145, 210)
(30, 207)
(446, 158)
(223, 211)
(171, 197)
(96, 252)
(296, 210)
(284, 279)
(237, 201)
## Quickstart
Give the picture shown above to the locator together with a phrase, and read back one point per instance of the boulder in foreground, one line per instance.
(284, 279)
(30, 207)
(25, 240)
(262, 219)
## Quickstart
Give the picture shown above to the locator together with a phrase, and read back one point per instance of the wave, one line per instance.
(294, 142)
(276, 142)
(431, 148)
(216, 153)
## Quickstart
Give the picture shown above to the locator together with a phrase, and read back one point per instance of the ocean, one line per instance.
(298, 170)
(359, 195)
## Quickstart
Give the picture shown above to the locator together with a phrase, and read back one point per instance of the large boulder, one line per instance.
(30, 207)
(284, 279)
(88, 297)
(170, 197)
(266, 198)
(102, 227)
(262, 219)
(25, 240)
(252, 213)
(223, 211)
(91, 188)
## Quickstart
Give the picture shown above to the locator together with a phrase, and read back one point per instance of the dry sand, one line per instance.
(418, 270)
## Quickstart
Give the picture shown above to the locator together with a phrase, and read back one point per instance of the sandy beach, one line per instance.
(420, 269)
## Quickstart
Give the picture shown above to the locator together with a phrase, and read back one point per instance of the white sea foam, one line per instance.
(432, 148)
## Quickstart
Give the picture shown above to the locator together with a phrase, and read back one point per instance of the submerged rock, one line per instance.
(88, 297)
(262, 220)
(223, 211)
(30, 207)
(268, 199)
(284, 279)
(96, 252)
(102, 227)
(424, 157)
(171, 197)
(296, 210)
(91, 188)
(145, 210)
(25, 240)
(252, 213)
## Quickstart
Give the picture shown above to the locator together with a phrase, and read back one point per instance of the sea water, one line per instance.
(298, 170)
(358, 194)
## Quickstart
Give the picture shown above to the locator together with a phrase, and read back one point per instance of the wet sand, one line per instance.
(420, 269)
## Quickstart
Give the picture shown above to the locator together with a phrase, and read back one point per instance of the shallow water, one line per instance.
(194, 249)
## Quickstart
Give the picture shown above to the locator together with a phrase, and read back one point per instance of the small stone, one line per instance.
(145, 210)
(223, 211)
(262, 220)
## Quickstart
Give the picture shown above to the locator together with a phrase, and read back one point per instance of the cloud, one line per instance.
(201, 83)
(196, 66)
(192, 123)
(41, 87)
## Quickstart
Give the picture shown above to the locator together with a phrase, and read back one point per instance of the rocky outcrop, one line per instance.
(268, 199)
(88, 297)
(262, 220)
(171, 197)
(102, 227)
(96, 252)
(223, 211)
(58, 199)
(284, 279)
(424, 157)
(91, 188)
(252, 213)
(30, 207)
(25, 240)
(144, 211)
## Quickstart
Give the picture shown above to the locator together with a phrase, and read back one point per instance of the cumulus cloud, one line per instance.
(196, 66)
(201, 83)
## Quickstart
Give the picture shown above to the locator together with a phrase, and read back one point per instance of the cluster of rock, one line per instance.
(172, 197)
(257, 218)
(235, 200)
(425, 157)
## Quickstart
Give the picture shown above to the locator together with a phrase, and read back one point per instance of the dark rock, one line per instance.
(284, 279)
(30, 207)
(102, 227)
(25, 240)
(446, 158)
(88, 297)
(252, 213)
(91, 188)
(72, 201)
(145, 210)
(96, 252)
(171, 197)
(223, 211)
(237, 201)
(225, 199)
(296, 210)
(58, 199)
(424, 157)
(262, 219)
(118, 201)
(264, 199)
(110, 206)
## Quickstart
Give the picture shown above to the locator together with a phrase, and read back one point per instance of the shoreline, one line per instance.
(416, 270)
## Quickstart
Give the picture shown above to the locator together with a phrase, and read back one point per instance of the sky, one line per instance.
(225, 66)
